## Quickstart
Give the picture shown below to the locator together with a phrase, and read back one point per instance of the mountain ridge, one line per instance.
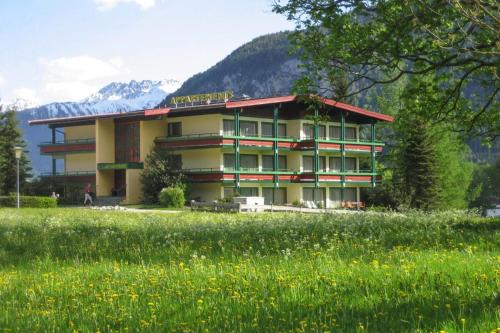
(114, 97)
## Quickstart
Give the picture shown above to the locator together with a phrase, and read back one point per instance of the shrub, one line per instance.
(161, 170)
(28, 201)
(172, 197)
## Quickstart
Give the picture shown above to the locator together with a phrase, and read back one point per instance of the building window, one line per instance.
(335, 163)
(249, 191)
(350, 133)
(266, 130)
(175, 162)
(322, 163)
(249, 161)
(274, 196)
(281, 130)
(350, 164)
(334, 132)
(308, 163)
(335, 197)
(228, 127)
(350, 194)
(268, 162)
(127, 142)
(248, 128)
(229, 161)
(308, 130)
(321, 131)
(175, 129)
(315, 195)
(282, 162)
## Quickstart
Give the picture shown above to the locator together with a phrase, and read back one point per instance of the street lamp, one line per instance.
(19, 153)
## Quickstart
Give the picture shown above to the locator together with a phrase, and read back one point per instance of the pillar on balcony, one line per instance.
(373, 153)
(275, 148)
(237, 148)
(342, 155)
(316, 149)
(54, 161)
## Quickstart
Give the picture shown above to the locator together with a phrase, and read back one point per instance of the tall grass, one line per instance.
(83, 270)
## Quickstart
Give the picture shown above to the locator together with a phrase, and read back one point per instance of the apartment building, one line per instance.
(271, 147)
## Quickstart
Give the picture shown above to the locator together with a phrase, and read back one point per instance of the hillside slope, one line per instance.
(262, 67)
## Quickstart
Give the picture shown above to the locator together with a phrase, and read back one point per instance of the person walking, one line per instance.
(88, 195)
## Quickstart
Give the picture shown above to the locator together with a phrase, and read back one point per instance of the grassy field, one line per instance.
(88, 271)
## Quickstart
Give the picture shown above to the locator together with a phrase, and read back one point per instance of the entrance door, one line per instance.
(120, 188)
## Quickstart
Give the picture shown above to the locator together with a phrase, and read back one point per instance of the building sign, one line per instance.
(202, 98)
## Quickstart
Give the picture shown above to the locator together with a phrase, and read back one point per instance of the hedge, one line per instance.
(28, 202)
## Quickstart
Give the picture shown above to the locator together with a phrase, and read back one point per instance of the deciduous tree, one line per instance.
(380, 42)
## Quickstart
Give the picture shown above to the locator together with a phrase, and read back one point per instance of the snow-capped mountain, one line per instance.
(17, 104)
(143, 91)
(114, 97)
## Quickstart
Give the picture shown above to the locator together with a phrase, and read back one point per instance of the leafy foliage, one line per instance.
(172, 197)
(484, 190)
(159, 172)
(380, 42)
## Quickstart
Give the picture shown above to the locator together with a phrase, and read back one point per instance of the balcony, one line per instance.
(76, 146)
(211, 140)
(284, 175)
(77, 176)
(214, 140)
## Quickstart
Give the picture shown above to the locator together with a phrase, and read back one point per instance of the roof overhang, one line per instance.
(68, 121)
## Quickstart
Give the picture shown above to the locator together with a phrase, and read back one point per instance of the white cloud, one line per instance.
(26, 94)
(104, 5)
(74, 78)
(68, 91)
(81, 68)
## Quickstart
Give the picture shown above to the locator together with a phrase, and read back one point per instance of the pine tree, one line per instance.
(10, 137)
(418, 169)
(426, 166)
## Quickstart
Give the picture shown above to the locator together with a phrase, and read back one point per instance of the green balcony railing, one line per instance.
(68, 142)
(67, 174)
(264, 138)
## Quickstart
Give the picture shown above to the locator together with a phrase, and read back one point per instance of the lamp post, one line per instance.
(19, 152)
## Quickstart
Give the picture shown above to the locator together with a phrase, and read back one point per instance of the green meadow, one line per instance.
(77, 270)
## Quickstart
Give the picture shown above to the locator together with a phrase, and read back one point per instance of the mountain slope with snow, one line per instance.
(114, 97)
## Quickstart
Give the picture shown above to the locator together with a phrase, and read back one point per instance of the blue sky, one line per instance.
(62, 50)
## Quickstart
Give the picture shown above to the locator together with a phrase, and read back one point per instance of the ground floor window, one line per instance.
(276, 196)
(335, 196)
(249, 191)
(314, 195)
(350, 194)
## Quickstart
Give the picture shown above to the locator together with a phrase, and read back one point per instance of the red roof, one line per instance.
(292, 98)
(260, 101)
(156, 112)
(355, 109)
